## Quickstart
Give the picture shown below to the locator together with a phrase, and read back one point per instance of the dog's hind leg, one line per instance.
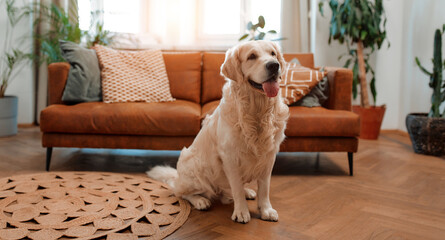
(198, 201)
(250, 193)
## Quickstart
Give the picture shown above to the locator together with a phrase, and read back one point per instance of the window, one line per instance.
(221, 17)
(183, 24)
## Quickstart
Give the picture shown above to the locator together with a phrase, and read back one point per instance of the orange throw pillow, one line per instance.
(133, 76)
(297, 81)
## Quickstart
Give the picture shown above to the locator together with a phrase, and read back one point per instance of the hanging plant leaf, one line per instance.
(261, 36)
(249, 25)
(261, 21)
(320, 8)
(243, 37)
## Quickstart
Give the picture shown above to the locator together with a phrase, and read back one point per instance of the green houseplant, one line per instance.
(63, 27)
(12, 59)
(360, 25)
(255, 31)
(427, 131)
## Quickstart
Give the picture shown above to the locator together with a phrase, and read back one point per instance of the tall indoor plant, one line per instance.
(11, 61)
(427, 131)
(360, 25)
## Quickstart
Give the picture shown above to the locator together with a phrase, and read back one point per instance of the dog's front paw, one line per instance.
(269, 214)
(241, 216)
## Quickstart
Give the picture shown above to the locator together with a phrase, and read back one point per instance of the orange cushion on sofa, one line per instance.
(184, 74)
(178, 118)
(297, 81)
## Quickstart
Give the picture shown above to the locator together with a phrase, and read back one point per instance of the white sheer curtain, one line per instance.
(295, 25)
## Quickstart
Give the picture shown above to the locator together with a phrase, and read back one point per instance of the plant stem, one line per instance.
(2, 90)
(362, 76)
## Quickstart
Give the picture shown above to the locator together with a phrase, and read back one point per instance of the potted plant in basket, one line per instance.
(360, 25)
(427, 131)
(11, 61)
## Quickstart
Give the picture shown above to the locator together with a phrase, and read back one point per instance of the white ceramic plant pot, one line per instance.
(8, 116)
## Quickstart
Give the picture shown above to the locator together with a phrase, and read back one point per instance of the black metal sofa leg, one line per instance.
(350, 160)
(49, 152)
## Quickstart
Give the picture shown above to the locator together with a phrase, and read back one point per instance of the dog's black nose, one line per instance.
(272, 67)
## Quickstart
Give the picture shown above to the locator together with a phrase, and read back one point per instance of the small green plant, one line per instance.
(360, 24)
(12, 58)
(254, 32)
(100, 36)
(436, 81)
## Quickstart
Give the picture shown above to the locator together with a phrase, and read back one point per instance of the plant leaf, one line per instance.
(261, 36)
(347, 63)
(249, 25)
(261, 21)
(320, 8)
(422, 68)
(243, 37)
(373, 90)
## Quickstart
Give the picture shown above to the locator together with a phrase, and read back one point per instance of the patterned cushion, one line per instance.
(133, 76)
(297, 81)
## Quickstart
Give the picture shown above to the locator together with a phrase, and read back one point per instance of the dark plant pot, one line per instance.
(427, 134)
(8, 116)
(370, 121)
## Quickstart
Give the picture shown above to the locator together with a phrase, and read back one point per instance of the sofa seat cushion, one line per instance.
(322, 122)
(312, 122)
(208, 108)
(178, 118)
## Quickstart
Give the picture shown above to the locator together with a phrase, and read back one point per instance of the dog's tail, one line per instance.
(165, 174)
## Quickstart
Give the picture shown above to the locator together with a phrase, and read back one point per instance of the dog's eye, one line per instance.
(252, 57)
(273, 53)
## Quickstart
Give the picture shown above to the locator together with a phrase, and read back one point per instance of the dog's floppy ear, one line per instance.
(279, 56)
(231, 67)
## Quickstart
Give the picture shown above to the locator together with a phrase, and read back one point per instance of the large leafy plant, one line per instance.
(59, 27)
(62, 27)
(360, 25)
(12, 58)
(436, 81)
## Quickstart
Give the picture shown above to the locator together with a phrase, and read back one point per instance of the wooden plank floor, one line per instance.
(395, 194)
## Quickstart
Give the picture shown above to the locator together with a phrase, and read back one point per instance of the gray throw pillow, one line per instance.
(83, 83)
(317, 96)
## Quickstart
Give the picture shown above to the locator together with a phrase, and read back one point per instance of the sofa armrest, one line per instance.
(57, 76)
(340, 88)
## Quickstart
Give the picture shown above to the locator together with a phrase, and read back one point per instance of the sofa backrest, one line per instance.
(193, 76)
(212, 81)
(184, 74)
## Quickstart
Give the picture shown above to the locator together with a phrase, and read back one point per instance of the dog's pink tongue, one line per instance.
(271, 88)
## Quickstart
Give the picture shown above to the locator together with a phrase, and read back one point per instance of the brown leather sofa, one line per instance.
(196, 83)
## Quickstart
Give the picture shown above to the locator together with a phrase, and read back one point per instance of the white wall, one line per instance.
(22, 85)
(421, 19)
(400, 84)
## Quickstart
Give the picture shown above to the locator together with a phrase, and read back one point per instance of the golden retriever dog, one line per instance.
(238, 143)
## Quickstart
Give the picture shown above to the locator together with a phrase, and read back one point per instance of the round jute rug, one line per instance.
(88, 205)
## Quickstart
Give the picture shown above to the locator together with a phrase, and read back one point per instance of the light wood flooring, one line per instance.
(394, 193)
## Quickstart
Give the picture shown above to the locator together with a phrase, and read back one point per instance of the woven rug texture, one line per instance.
(88, 205)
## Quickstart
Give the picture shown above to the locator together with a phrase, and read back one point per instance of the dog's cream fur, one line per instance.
(238, 143)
